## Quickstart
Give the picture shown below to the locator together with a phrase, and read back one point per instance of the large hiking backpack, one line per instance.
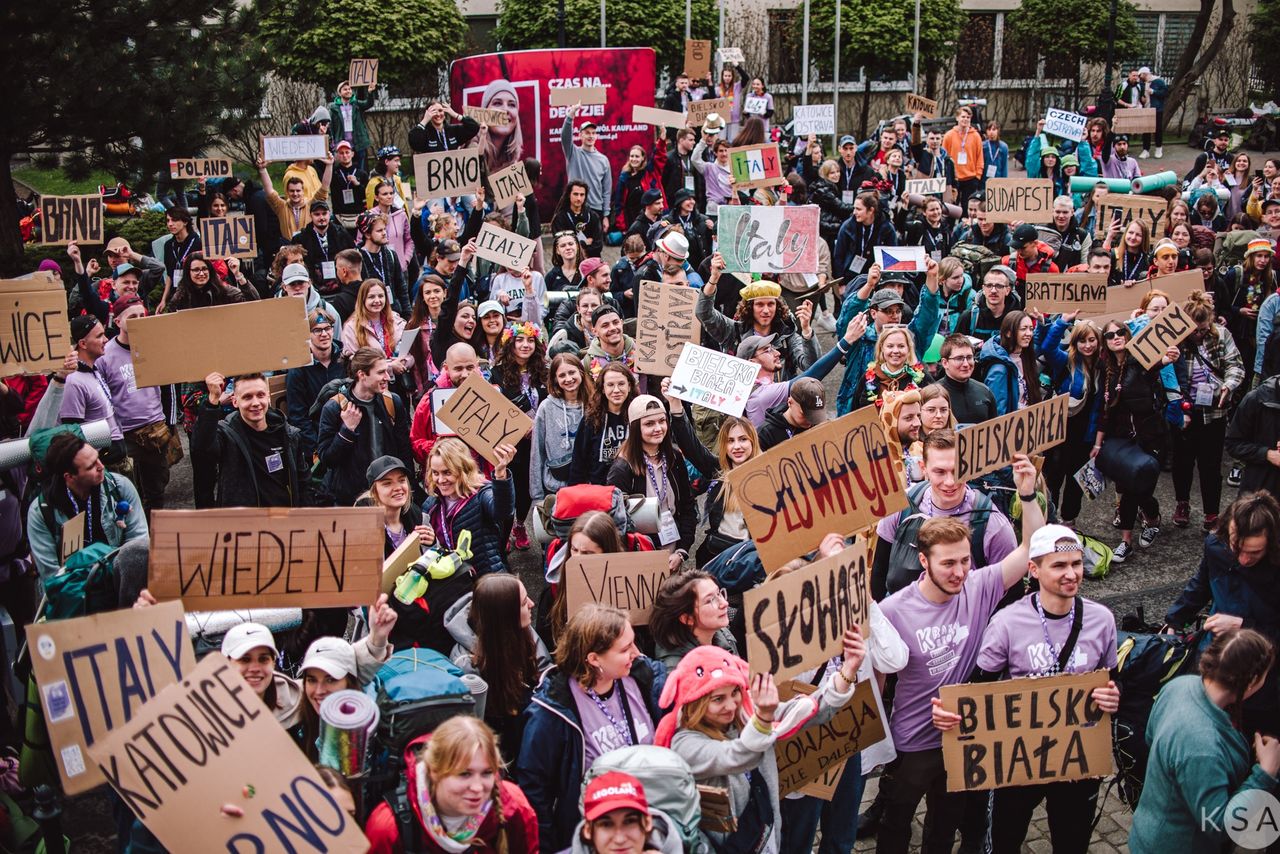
(553, 518)
(669, 786)
(977, 260)
(904, 557)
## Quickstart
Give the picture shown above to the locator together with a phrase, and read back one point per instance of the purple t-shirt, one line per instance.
(943, 642)
(85, 399)
(599, 730)
(1016, 639)
(997, 542)
(134, 407)
(763, 397)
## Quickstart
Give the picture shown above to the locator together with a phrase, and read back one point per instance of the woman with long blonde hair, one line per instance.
(1075, 371)
(460, 499)
(374, 324)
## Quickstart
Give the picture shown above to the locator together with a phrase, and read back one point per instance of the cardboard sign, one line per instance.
(277, 557)
(1065, 124)
(920, 104)
(797, 621)
(697, 58)
(926, 186)
(1179, 285)
(95, 673)
(777, 239)
(209, 741)
(732, 56)
(1060, 293)
(817, 751)
(1122, 301)
(480, 416)
(755, 105)
(567, 96)
(824, 788)
(628, 581)
(362, 72)
(990, 446)
(817, 118)
(487, 117)
(1014, 199)
(71, 219)
(664, 324)
(73, 536)
(657, 118)
(699, 110)
(1125, 207)
(189, 169)
(1022, 731)
(35, 335)
(1167, 329)
(241, 338)
(229, 237)
(713, 379)
(756, 166)
(509, 183)
(446, 173)
(837, 477)
(505, 248)
(439, 397)
(901, 259)
(1134, 120)
(292, 148)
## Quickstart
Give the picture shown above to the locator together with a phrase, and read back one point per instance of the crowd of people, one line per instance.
(972, 581)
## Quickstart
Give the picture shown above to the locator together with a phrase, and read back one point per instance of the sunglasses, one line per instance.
(1112, 334)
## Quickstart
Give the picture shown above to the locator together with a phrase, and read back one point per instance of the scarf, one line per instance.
(880, 379)
(456, 841)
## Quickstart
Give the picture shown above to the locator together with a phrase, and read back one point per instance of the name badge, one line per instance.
(936, 254)
(991, 171)
(275, 462)
(846, 197)
(668, 531)
(963, 158)
(348, 196)
(858, 263)
(328, 270)
(688, 183)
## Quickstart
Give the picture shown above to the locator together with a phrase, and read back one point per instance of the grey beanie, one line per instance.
(1007, 272)
(320, 115)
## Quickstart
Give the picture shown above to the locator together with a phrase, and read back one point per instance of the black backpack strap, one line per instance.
(406, 821)
(978, 518)
(1077, 620)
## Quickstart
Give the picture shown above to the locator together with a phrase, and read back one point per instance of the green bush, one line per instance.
(138, 230)
(45, 160)
(77, 166)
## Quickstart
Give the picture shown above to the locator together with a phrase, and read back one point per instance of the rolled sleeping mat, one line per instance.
(1224, 195)
(18, 451)
(1085, 183)
(1148, 183)
(952, 211)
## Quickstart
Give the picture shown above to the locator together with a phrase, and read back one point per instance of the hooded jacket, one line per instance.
(555, 427)
(776, 429)
(621, 476)
(798, 353)
(337, 125)
(347, 453)
(1253, 432)
(302, 388)
(596, 358)
(223, 437)
(486, 513)
(594, 449)
(1000, 374)
(316, 302)
(664, 838)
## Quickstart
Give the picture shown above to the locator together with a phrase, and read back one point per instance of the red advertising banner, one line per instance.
(520, 82)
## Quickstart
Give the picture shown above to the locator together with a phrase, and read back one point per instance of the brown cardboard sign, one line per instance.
(362, 72)
(446, 173)
(71, 219)
(1022, 731)
(822, 749)
(920, 104)
(400, 561)
(207, 741)
(836, 477)
(717, 814)
(487, 117)
(189, 169)
(657, 118)
(699, 110)
(1167, 329)
(95, 673)
(1134, 120)
(293, 148)
(1125, 207)
(73, 535)
(1178, 285)
(229, 236)
(990, 446)
(628, 581)
(797, 621)
(35, 335)
(277, 557)
(697, 59)
(508, 183)
(504, 248)
(664, 324)
(567, 96)
(1061, 293)
(824, 788)
(479, 415)
(241, 338)
(1019, 199)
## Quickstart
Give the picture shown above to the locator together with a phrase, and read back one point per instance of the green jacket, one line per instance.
(359, 133)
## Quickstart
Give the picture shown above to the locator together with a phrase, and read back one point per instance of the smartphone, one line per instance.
(1257, 173)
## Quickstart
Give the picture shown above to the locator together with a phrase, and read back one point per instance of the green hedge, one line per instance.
(138, 230)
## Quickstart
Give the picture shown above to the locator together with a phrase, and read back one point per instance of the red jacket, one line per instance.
(519, 819)
(1042, 264)
(422, 431)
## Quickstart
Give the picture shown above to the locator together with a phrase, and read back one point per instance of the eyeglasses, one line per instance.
(961, 359)
(712, 598)
(992, 286)
(317, 330)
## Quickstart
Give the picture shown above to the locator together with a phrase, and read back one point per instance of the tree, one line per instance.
(1076, 29)
(1191, 67)
(127, 83)
(410, 39)
(628, 23)
(1264, 35)
(877, 35)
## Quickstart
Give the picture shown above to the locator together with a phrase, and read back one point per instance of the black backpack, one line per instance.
(904, 558)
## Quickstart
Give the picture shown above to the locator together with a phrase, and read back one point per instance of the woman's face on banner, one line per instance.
(504, 100)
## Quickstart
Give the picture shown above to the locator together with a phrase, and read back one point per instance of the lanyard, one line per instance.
(88, 512)
(991, 150)
(848, 175)
(297, 218)
(864, 237)
(376, 329)
(377, 265)
(323, 240)
(1054, 652)
(106, 390)
(933, 240)
(1130, 272)
(186, 249)
(446, 521)
(623, 731)
(659, 490)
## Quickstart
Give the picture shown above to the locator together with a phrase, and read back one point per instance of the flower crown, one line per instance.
(525, 328)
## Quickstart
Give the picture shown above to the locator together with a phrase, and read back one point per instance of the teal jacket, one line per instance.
(115, 493)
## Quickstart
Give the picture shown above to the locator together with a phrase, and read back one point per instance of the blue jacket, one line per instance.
(1065, 379)
(1157, 91)
(553, 756)
(1000, 374)
(996, 155)
(487, 514)
(923, 326)
(1061, 184)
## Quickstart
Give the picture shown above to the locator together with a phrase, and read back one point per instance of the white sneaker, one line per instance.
(1144, 155)
(1159, 152)
(825, 322)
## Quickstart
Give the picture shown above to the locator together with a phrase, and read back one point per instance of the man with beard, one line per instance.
(611, 344)
(1073, 241)
(322, 245)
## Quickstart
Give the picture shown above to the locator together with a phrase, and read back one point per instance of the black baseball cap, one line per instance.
(383, 466)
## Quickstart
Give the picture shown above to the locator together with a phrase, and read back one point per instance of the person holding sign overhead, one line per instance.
(292, 212)
(434, 134)
(347, 115)
(584, 163)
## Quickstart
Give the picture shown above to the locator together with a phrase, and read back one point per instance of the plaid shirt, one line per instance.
(1219, 354)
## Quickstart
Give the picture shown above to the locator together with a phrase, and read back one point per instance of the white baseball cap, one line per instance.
(295, 273)
(332, 655)
(245, 637)
(1045, 541)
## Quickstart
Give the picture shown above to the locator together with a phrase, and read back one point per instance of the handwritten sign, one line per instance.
(713, 379)
(446, 173)
(755, 105)
(1134, 120)
(657, 118)
(837, 477)
(732, 55)
(920, 104)
(485, 116)
(229, 237)
(294, 148)
(189, 169)
(1014, 199)
(797, 621)
(814, 119)
(95, 673)
(208, 741)
(990, 446)
(778, 239)
(1060, 293)
(73, 536)
(35, 335)
(279, 557)
(1167, 329)
(363, 72)
(699, 110)
(817, 751)
(187, 346)
(567, 96)
(505, 248)
(926, 186)
(509, 183)
(1125, 208)
(479, 415)
(1022, 731)
(628, 581)
(71, 219)
(665, 323)
(1065, 124)
(697, 58)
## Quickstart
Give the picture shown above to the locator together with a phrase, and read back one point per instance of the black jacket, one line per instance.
(302, 388)
(347, 454)
(587, 224)
(621, 476)
(831, 211)
(338, 239)
(426, 139)
(971, 401)
(590, 444)
(1253, 431)
(387, 270)
(222, 437)
(1139, 410)
(673, 177)
(776, 429)
(487, 514)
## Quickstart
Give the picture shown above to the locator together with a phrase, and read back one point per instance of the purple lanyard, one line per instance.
(618, 726)
(659, 491)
